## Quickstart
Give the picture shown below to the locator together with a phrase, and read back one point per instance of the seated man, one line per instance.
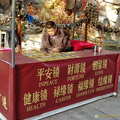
(55, 39)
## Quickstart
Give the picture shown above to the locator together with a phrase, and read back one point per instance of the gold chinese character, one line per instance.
(56, 72)
(100, 64)
(56, 91)
(82, 67)
(27, 99)
(63, 90)
(105, 62)
(77, 68)
(40, 73)
(100, 81)
(44, 95)
(91, 83)
(94, 65)
(72, 77)
(48, 73)
(70, 89)
(70, 69)
(80, 86)
(4, 102)
(110, 77)
(85, 84)
(97, 65)
(60, 91)
(36, 97)
(105, 80)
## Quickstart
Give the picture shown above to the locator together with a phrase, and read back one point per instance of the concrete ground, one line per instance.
(104, 109)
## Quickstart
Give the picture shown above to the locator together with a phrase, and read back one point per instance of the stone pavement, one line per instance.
(104, 109)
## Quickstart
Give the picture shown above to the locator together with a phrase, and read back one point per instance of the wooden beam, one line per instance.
(19, 35)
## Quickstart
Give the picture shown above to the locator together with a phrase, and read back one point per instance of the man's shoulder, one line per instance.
(62, 31)
(45, 35)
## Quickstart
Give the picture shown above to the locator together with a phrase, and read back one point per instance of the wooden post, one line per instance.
(19, 35)
(74, 20)
(86, 25)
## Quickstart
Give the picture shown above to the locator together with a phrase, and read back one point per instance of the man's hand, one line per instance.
(55, 50)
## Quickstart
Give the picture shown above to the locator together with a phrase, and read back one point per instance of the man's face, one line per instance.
(52, 31)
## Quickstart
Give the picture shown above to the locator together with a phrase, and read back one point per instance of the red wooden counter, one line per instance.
(37, 88)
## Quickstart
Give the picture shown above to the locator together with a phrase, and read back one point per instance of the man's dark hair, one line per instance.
(50, 24)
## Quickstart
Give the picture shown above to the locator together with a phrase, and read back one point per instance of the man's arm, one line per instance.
(64, 43)
(43, 49)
